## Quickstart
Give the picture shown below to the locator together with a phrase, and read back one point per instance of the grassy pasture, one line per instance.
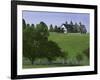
(73, 43)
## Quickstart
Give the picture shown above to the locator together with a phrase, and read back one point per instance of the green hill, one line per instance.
(73, 43)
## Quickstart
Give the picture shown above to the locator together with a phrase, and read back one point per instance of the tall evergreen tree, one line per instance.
(71, 27)
(51, 28)
(82, 28)
(32, 26)
(56, 28)
(24, 23)
(28, 25)
(75, 28)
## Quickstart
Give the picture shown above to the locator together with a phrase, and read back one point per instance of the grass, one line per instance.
(26, 66)
(36, 66)
(73, 43)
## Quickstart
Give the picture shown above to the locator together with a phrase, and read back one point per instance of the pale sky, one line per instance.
(56, 18)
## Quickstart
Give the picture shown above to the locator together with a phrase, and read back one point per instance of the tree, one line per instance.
(56, 28)
(32, 26)
(66, 23)
(42, 31)
(51, 28)
(75, 28)
(24, 24)
(50, 50)
(71, 23)
(79, 58)
(87, 52)
(70, 27)
(41, 38)
(82, 28)
(32, 39)
(78, 27)
(28, 25)
(36, 44)
(28, 44)
(59, 29)
(80, 23)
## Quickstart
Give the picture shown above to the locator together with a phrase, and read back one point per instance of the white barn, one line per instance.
(65, 29)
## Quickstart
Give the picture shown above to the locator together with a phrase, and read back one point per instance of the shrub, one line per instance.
(87, 52)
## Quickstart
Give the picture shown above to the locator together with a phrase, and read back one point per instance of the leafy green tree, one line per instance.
(28, 42)
(50, 50)
(32, 38)
(36, 44)
(42, 31)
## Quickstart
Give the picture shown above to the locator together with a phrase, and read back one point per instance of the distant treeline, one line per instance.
(71, 28)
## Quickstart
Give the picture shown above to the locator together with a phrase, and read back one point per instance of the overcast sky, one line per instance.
(56, 18)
